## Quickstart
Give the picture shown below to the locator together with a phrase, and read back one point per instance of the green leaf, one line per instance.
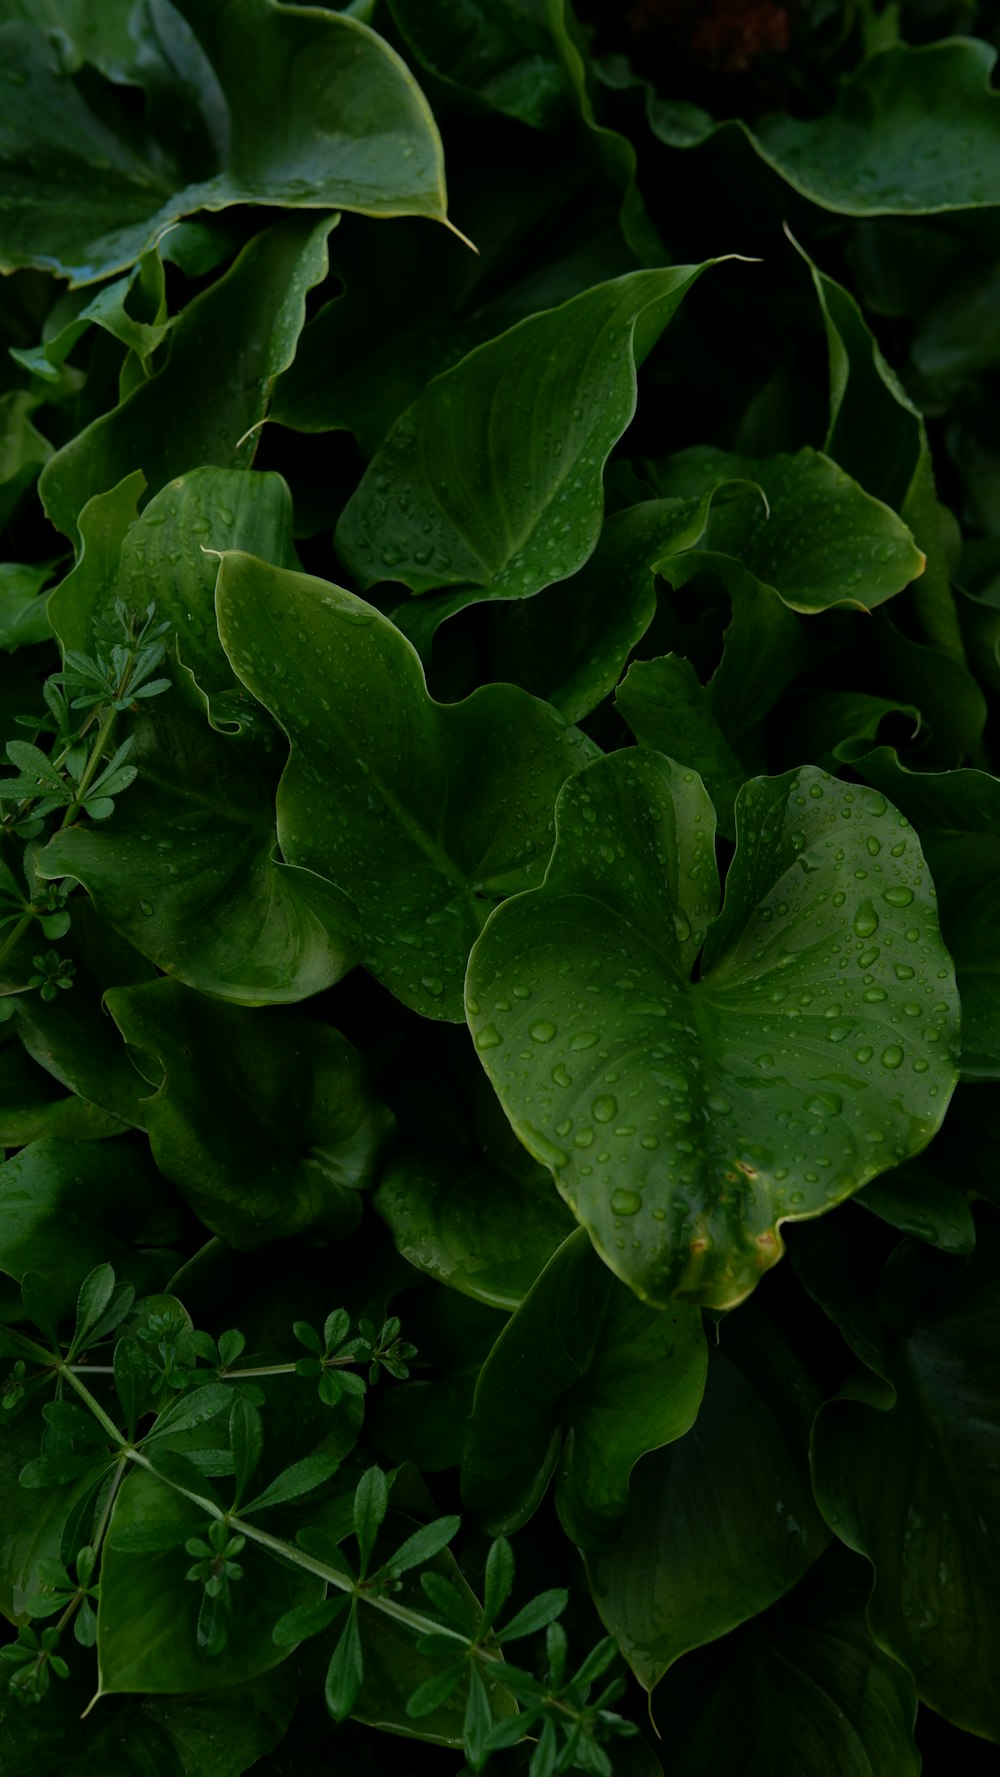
(581, 1353)
(298, 1479)
(192, 1409)
(930, 1464)
(96, 1292)
(307, 108)
(24, 614)
(471, 1226)
(423, 1545)
(209, 902)
(32, 1106)
(499, 52)
(801, 1687)
(430, 816)
(957, 814)
(23, 449)
(695, 1557)
(371, 1502)
(920, 1200)
(534, 1616)
(791, 1072)
(816, 539)
(499, 1580)
(492, 478)
(878, 435)
(271, 1129)
(246, 1440)
(203, 406)
(914, 131)
(310, 1619)
(345, 1671)
(74, 1039)
(68, 1206)
(172, 545)
(667, 709)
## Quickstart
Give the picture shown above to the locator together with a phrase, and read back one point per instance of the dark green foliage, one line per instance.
(499, 840)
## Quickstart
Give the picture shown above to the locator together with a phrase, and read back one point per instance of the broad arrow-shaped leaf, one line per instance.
(685, 1119)
(425, 814)
(493, 477)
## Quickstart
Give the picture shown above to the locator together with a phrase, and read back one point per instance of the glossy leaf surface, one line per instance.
(283, 107)
(685, 1120)
(508, 497)
(430, 811)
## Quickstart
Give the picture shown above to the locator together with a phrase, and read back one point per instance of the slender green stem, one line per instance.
(93, 761)
(16, 933)
(102, 1418)
(308, 1563)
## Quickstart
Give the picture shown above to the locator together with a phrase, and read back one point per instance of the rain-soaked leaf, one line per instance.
(258, 103)
(684, 1119)
(508, 498)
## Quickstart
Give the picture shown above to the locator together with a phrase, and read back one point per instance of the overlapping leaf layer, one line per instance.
(499, 840)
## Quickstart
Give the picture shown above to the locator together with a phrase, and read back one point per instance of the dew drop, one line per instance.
(897, 897)
(892, 1057)
(584, 1039)
(489, 1037)
(604, 1109)
(433, 984)
(146, 907)
(560, 1077)
(625, 1203)
(583, 1138)
(543, 1032)
(865, 920)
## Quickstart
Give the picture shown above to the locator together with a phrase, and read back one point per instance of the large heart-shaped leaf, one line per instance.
(721, 1522)
(914, 1485)
(430, 812)
(206, 403)
(250, 102)
(802, 1687)
(580, 1355)
(684, 1119)
(263, 1120)
(492, 478)
(206, 900)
